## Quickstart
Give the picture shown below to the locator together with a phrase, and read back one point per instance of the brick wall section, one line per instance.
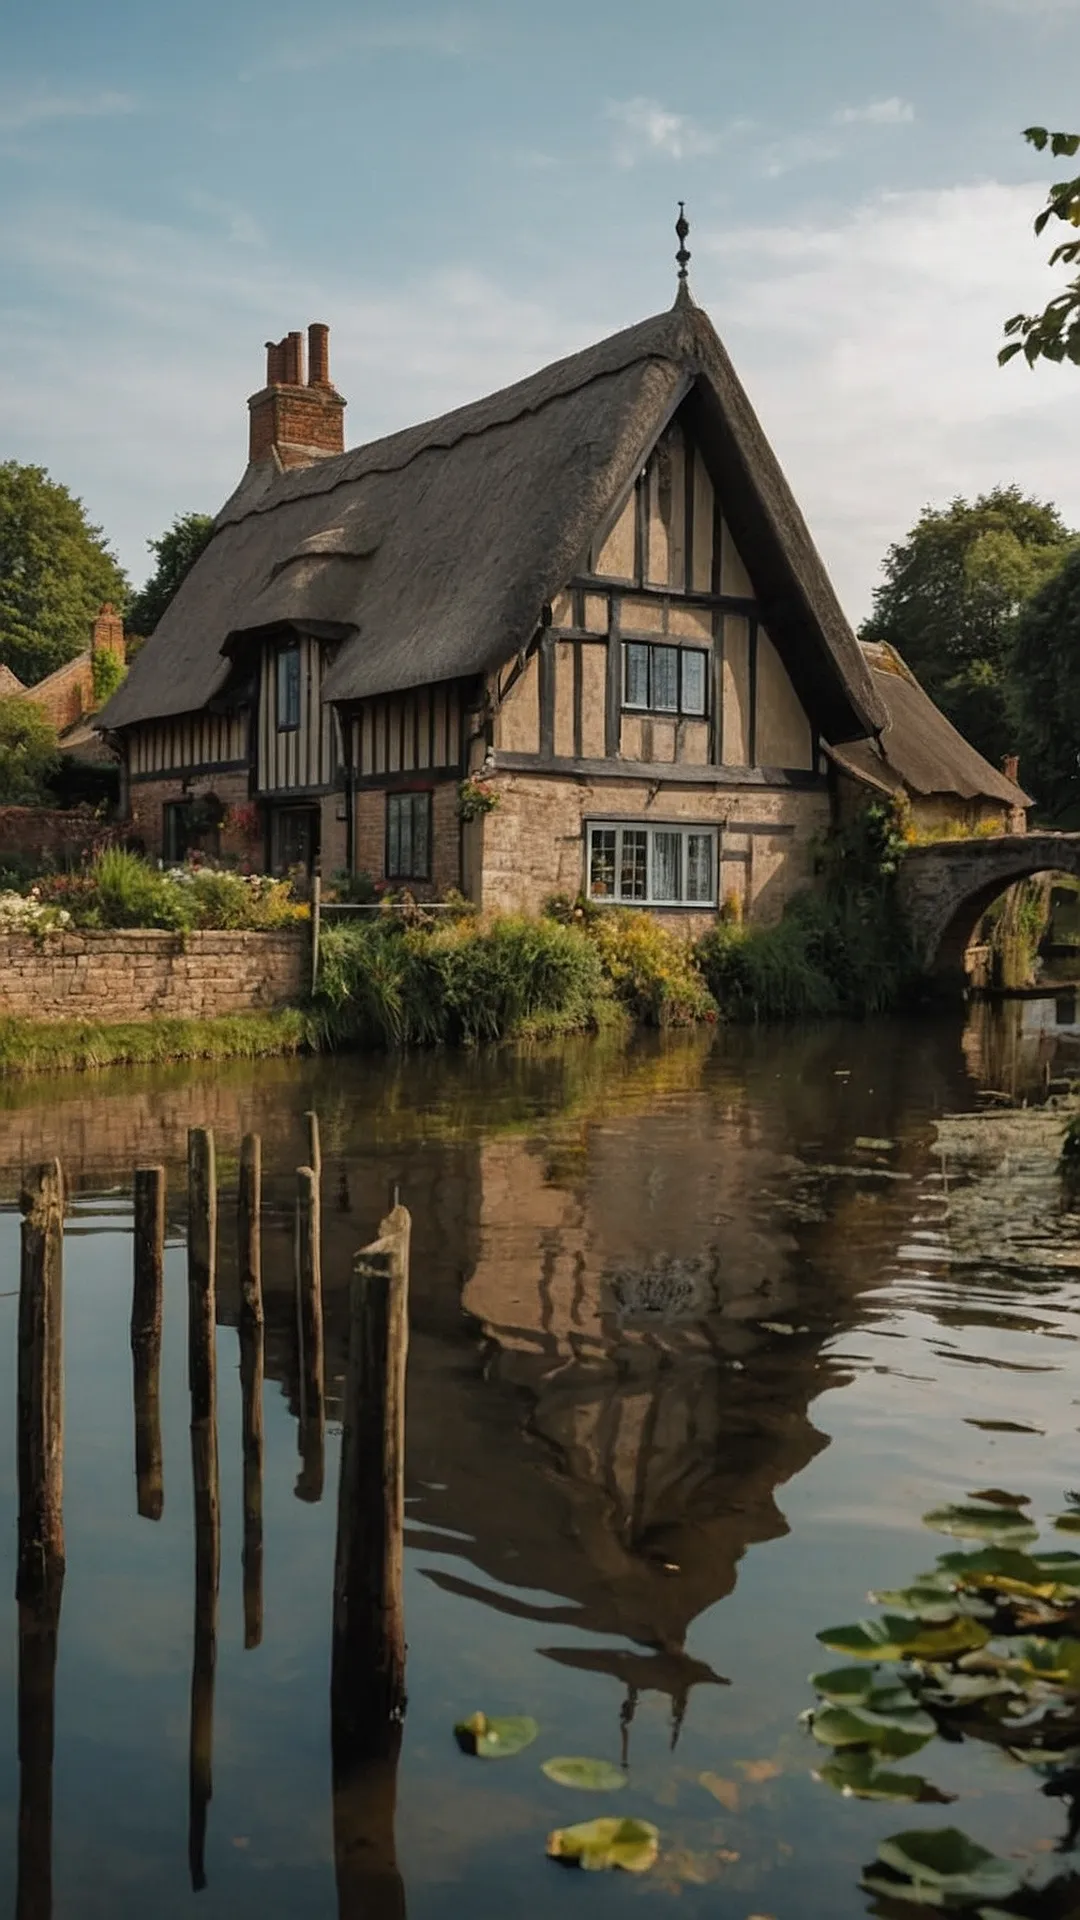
(146, 816)
(370, 841)
(64, 696)
(36, 832)
(533, 843)
(140, 975)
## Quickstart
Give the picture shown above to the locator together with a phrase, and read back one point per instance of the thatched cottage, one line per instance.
(573, 637)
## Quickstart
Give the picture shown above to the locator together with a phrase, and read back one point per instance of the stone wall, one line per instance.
(533, 843)
(136, 975)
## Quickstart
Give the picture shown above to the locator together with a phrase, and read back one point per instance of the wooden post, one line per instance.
(309, 1324)
(249, 1198)
(146, 1312)
(40, 1394)
(314, 1157)
(202, 1378)
(367, 1686)
(316, 928)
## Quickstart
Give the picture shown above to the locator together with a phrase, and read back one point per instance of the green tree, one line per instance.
(28, 752)
(1045, 691)
(176, 553)
(55, 572)
(1053, 334)
(950, 597)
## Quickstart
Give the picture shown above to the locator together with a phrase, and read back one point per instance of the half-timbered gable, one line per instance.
(592, 592)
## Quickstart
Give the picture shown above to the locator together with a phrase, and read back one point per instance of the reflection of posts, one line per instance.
(146, 1304)
(202, 1380)
(309, 1323)
(249, 1198)
(40, 1576)
(367, 1686)
(369, 1883)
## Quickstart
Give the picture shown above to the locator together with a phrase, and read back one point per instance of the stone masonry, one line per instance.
(139, 975)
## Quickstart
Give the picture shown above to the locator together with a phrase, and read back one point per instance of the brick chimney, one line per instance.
(1010, 767)
(108, 633)
(297, 418)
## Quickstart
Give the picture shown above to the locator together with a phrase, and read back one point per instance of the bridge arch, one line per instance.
(945, 888)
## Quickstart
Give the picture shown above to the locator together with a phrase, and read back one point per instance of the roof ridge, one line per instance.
(300, 482)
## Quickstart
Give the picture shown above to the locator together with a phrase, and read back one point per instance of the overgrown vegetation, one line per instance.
(394, 985)
(31, 1046)
(108, 672)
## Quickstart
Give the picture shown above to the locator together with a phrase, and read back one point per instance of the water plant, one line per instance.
(984, 1646)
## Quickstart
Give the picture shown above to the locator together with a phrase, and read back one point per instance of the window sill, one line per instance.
(654, 906)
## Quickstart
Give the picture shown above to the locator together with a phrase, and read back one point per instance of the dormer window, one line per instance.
(288, 687)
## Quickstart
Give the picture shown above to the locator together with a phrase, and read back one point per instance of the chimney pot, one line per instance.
(294, 360)
(318, 355)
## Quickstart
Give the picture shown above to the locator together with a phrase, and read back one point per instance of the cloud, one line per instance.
(32, 108)
(441, 39)
(646, 130)
(869, 344)
(893, 112)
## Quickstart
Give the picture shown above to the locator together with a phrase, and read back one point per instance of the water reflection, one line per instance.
(632, 1279)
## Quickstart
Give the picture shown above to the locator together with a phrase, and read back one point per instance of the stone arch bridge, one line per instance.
(945, 888)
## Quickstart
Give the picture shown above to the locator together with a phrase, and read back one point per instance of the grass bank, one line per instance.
(31, 1046)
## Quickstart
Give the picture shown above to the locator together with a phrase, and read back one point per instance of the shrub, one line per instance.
(654, 972)
(28, 752)
(126, 892)
(107, 672)
(393, 986)
(21, 913)
(765, 973)
(120, 889)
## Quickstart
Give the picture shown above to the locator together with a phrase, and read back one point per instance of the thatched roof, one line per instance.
(919, 750)
(9, 682)
(432, 553)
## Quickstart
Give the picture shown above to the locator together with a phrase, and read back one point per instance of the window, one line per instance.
(662, 679)
(652, 866)
(288, 688)
(408, 836)
(294, 838)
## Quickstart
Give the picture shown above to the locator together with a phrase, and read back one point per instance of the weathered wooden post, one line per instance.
(40, 1393)
(40, 1575)
(314, 1154)
(369, 1882)
(249, 1201)
(309, 1323)
(202, 1379)
(146, 1313)
(367, 1687)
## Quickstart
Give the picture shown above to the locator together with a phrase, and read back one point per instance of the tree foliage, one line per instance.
(1053, 334)
(951, 595)
(176, 553)
(28, 752)
(55, 572)
(1045, 689)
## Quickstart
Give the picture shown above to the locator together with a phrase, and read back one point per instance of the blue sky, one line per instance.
(465, 191)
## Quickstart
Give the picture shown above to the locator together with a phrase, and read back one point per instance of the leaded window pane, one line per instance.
(637, 675)
(699, 867)
(602, 863)
(288, 687)
(421, 823)
(693, 681)
(665, 679)
(667, 865)
(634, 866)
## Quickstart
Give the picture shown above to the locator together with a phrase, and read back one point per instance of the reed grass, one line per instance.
(32, 1046)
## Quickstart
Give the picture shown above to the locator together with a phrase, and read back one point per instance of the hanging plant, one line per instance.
(475, 798)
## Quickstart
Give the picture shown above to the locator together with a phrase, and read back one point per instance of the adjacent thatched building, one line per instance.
(575, 636)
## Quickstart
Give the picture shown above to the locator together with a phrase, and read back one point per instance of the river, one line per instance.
(699, 1329)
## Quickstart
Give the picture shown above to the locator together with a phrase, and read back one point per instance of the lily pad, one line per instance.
(857, 1774)
(594, 1844)
(489, 1738)
(998, 1497)
(1055, 1660)
(596, 1776)
(944, 1859)
(896, 1638)
(895, 1735)
(1002, 1570)
(928, 1602)
(844, 1686)
(997, 1525)
(1067, 1522)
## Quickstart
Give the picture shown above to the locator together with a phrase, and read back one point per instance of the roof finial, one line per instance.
(682, 228)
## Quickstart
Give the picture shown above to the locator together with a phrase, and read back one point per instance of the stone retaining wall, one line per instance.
(114, 976)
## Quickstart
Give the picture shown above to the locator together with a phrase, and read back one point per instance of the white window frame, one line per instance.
(651, 828)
